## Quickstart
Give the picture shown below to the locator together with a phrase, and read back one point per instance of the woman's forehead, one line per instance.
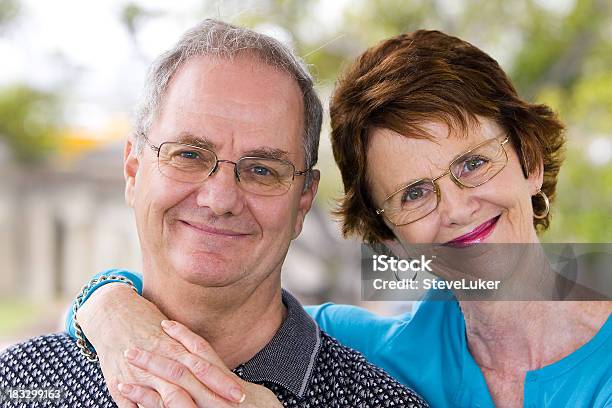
(439, 140)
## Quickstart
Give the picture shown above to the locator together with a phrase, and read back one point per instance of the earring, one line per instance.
(546, 210)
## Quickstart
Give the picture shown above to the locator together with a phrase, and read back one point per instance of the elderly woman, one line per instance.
(436, 147)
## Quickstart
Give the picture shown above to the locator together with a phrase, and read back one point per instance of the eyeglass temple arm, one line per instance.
(302, 172)
(151, 145)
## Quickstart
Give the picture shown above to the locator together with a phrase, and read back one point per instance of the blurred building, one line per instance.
(59, 224)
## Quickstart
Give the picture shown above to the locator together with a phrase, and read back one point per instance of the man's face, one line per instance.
(214, 233)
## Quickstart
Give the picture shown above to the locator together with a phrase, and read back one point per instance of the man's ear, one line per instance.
(130, 168)
(306, 200)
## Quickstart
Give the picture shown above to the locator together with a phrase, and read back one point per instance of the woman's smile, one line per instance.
(477, 235)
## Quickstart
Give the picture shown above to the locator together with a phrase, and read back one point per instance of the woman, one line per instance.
(435, 147)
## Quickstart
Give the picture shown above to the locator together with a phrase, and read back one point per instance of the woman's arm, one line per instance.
(133, 277)
(116, 319)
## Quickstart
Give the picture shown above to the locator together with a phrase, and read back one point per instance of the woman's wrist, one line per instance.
(91, 318)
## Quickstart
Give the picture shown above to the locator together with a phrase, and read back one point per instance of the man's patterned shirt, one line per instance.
(302, 365)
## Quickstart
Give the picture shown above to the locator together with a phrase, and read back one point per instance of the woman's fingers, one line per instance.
(175, 383)
(143, 396)
(191, 341)
(159, 394)
(204, 362)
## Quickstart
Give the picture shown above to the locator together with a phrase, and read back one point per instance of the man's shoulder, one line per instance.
(54, 340)
(53, 362)
(370, 385)
(27, 355)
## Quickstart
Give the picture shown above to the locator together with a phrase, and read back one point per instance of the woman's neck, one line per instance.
(518, 336)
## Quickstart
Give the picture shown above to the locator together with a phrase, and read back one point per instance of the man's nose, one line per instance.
(220, 191)
(458, 204)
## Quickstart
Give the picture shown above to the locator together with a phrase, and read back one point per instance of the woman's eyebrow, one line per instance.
(400, 186)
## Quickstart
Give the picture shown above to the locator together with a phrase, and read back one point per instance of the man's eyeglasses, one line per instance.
(193, 164)
(470, 169)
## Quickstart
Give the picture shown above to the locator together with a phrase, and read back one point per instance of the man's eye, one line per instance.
(261, 171)
(188, 154)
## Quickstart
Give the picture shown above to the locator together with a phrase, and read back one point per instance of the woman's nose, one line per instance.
(458, 204)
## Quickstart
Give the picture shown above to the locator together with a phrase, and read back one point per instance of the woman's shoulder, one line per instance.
(329, 315)
(409, 314)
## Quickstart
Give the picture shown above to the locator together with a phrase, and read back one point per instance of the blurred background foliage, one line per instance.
(557, 52)
(29, 121)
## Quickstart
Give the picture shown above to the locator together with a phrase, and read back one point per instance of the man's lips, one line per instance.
(212, 230)
(478, 234)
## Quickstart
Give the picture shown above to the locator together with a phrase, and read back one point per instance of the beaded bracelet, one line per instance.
(82, 343)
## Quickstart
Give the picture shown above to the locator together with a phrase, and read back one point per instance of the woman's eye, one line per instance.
(413, 194)
(473, 163)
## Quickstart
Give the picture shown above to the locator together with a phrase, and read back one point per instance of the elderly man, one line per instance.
(219, 173)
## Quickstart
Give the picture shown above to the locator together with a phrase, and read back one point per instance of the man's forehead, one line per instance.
(255, 113)
(249, 71)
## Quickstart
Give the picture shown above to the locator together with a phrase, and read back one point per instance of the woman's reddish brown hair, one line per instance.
(428, 76)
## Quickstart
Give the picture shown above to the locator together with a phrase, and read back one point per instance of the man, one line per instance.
(219, 172)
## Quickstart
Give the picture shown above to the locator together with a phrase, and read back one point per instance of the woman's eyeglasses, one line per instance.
(470, 169)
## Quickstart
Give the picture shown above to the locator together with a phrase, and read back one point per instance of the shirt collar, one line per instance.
(288, 359)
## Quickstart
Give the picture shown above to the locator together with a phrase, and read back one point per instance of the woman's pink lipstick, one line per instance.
(475, 236)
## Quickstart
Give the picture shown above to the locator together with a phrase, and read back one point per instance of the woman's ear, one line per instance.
(536, 179)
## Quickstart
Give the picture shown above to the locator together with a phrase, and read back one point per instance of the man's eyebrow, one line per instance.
(193, 140)
(264, 151)
(268, 152)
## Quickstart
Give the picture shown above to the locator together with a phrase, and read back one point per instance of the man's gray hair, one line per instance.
(220, 39)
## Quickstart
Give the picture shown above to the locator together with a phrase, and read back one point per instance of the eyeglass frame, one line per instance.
(157, 150)
(434, 180)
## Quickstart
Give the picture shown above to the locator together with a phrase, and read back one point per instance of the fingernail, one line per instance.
(168, 324)
(237, 395)
(131, 353)
(125, 388)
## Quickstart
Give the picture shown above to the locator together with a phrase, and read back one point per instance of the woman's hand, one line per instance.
(180, 384)
(114, 319)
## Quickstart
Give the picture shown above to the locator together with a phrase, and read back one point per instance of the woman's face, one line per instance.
(498, 211)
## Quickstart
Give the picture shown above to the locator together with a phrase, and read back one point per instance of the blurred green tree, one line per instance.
(8, 11)
(29, 122)
(29, 118)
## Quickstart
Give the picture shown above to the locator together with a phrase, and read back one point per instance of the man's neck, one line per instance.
(236, 321)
